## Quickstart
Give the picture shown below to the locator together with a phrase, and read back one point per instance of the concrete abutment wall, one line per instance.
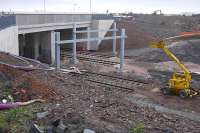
(9, 40)
(99, 24)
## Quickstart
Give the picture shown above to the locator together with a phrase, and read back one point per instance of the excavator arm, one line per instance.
(161, 45)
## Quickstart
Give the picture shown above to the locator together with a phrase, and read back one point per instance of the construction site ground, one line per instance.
(83, 103)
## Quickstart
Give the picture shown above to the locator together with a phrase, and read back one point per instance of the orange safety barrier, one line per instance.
(184, 35)
(191, 33)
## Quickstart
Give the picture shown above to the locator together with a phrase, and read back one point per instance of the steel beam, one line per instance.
(74, 44)
(114, 39)
(91, 39)
(123, 37)
(102, 30)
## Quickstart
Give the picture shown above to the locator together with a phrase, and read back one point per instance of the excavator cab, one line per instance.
(179, 80)
(180, 83)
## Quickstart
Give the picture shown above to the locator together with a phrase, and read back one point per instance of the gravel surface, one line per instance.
(100, 108)
(107, 109)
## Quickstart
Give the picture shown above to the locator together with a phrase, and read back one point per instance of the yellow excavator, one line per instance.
(180, 83)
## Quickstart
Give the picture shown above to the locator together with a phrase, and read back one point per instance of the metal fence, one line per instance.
(74, 41)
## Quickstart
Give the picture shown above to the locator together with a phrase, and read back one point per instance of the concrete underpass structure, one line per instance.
(32, 35)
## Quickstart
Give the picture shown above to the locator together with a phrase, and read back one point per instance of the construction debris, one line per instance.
(41, 115)
(5, 106)
(88, 131)
(71, 70)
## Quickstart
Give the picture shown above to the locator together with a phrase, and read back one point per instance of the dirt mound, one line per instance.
(164, 26)
(146, 28)
(24, 86)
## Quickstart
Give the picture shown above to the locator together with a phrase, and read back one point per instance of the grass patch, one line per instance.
(14, 120)
(138, 128)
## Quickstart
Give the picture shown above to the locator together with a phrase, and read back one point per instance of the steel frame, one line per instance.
(114, 37)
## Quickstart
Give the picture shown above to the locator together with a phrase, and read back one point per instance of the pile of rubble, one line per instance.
(71, 123)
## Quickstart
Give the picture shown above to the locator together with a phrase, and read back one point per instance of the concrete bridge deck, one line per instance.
(24, 29)
(31, 34)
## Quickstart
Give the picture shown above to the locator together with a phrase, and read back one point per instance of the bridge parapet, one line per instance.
(34, 19)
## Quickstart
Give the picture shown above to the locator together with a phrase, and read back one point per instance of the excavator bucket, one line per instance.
(159, 44)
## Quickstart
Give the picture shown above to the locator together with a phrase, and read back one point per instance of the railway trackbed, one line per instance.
(112, 81)
(98, 60)
(94, 54)
(92, 57)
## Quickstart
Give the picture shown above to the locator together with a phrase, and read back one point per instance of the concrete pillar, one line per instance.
(45, 47)
(36, 45)
(53, 47)
(22, 45)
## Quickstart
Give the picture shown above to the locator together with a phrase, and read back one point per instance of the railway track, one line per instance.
(96, 54)
(92, 57)
(112, 81)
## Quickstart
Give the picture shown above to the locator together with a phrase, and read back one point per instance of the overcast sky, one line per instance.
(137, 6)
